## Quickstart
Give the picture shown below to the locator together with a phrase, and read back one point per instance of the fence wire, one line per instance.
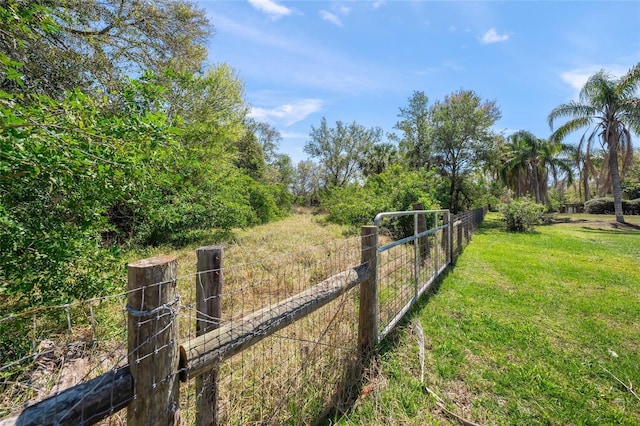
(49, 349)
(292, 376)
(295, 376)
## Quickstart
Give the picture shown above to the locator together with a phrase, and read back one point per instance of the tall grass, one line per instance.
(540, 328)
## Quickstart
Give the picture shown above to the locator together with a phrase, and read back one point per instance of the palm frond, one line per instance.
(629, 83)
(571, 126)
(571, 109)
(599, 91)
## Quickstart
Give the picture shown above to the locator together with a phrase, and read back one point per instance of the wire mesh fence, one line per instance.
(49, 349)
(283, 378)
(293, 375)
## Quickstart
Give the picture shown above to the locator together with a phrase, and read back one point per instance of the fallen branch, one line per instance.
(629, 388)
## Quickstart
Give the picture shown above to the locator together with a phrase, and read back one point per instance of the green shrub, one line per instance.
(396, 189)
(522, 214)
(599, 206)
(604, 205)
(631, 206)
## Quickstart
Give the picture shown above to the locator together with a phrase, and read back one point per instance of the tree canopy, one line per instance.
(91, 44)
(340, 149)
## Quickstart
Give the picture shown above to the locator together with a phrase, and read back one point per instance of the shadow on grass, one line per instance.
(634, 230)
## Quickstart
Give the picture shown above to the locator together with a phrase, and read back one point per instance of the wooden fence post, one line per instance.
(368, 313)
(460, 221)
(446, 236)
(153, 342)
(423, 242)
(209, 311)
(467, 227)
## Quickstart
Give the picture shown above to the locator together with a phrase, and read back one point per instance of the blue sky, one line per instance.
(361, 60)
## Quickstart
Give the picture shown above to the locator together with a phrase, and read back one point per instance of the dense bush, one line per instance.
(522, 214)
(632, 206)
(395, 189)
(605, 206)
(65, 163)
(82, 174)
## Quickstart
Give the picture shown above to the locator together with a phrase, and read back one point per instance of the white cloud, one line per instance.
(271, 8)
(378, 3)
(343, 9)
(328, 16)
(492, 36)
(289, 113)
(576, 78)
(293, 135)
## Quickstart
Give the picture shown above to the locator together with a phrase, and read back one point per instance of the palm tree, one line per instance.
(377, 158)
(516, 170)
(610, 107)
(529, 161)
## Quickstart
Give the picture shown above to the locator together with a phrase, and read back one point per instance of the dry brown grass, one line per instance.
(282, 379)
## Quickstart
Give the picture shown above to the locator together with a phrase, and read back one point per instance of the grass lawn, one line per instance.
(540, 328)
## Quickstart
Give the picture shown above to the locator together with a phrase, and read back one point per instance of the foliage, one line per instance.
(212, 107)
(462, 137)
(340, 149)
(88, 44)
(521, 214)
(610, 108)
(83, 171)
(631, 181)
(377, 158)
(415, 126)
(528, 161)
(604, 205)
(307, 183)
(63, 163)
(395, 189)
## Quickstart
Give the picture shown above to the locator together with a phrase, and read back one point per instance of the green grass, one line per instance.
(527, 329)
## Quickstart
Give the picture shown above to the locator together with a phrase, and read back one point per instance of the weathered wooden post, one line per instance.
(448, 237)
(445, 236)
(209, 311)
(460, 222)
(467, 226)
(423, 242)
(153, 341)
(369, 311)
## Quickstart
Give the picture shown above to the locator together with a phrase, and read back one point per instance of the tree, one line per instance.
(67, 44)
(531, 159)
(340, 149)
(306, 183)
(610, 107)
(63, 164)
(250, 156)
(211, 106)
(269, 138)
(415, 127)
(583, 160)
(461, 134)
(377, 158)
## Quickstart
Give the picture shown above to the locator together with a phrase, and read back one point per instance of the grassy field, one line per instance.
(527, 329)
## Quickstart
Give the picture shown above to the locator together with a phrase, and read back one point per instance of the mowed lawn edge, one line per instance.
(540, 328)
